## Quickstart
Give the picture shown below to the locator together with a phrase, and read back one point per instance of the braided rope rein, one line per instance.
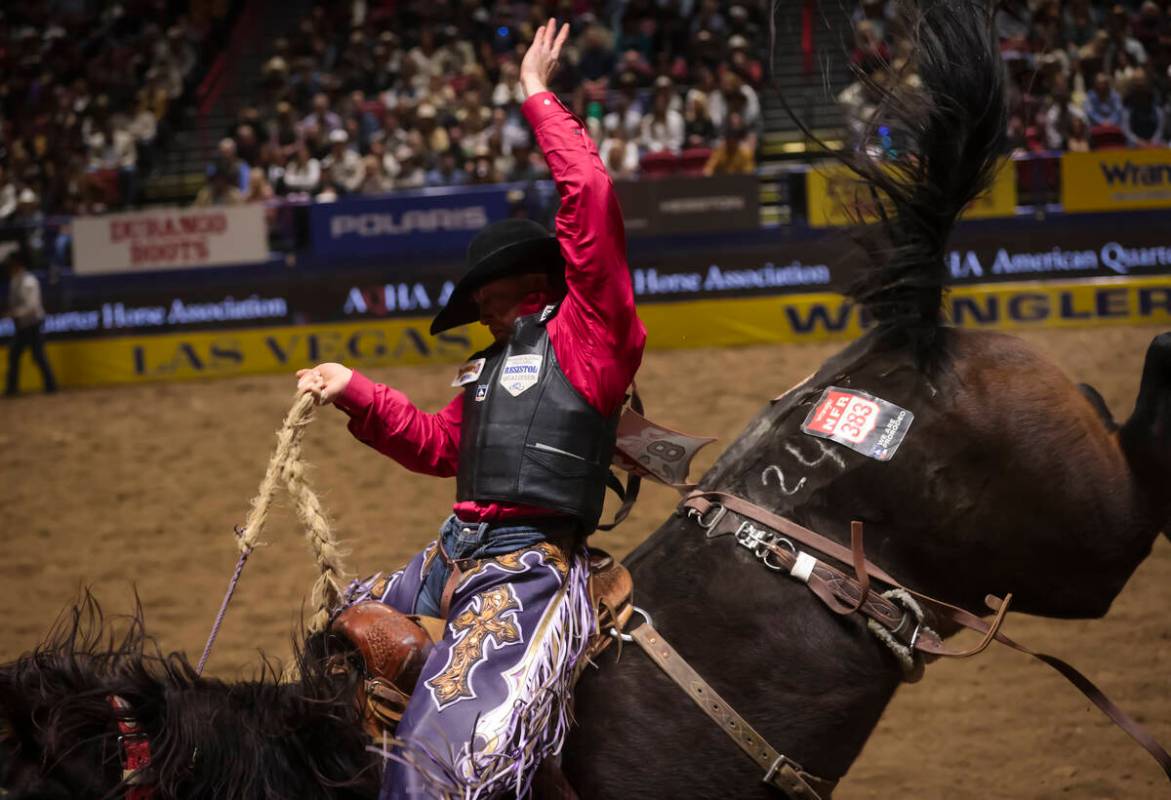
(287, 466)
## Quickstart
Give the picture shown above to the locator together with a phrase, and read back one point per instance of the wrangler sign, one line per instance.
(1116, 180)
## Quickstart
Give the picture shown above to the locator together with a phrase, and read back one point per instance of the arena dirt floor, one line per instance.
(137, 489)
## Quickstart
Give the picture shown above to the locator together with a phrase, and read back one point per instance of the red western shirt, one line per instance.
(596, 334)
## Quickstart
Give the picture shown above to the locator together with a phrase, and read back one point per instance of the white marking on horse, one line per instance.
(781, 480)
(826, 452)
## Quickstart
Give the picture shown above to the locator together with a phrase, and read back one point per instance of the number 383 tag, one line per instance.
(862, 422)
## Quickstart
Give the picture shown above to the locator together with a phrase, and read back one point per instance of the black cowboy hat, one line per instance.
(502, 249)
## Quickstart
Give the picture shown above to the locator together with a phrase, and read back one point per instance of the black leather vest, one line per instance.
(527, 436)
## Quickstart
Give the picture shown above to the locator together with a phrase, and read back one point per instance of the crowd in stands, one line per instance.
(368, 97)
(1083, 75)
(87, 94)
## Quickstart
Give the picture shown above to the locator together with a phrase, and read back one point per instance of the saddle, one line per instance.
(393, 646)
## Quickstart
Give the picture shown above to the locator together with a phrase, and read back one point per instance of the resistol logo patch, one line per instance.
(520, 373)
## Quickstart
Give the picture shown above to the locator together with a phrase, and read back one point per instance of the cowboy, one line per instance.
(529, 438)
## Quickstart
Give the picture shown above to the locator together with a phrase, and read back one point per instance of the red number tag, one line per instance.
(862, 422)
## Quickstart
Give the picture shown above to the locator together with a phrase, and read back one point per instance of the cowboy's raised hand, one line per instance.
(540, 61)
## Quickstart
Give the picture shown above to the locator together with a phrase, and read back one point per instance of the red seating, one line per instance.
(694, 159)
(1107, 137)
(657, 165)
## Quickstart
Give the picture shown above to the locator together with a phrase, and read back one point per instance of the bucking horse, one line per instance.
(962, 462)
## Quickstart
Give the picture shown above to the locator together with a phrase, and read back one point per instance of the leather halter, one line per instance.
(719, 512)
(133, 750)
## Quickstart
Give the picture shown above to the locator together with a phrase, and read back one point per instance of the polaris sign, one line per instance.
(431, 220)
(425, 221)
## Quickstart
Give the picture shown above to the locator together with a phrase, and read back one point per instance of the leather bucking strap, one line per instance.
(720, 512)
(780, 771)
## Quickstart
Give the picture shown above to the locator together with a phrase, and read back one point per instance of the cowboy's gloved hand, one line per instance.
(540, 61)
(325, 381)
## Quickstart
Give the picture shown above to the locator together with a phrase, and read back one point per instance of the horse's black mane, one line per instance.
(209, 739)
(932, 147)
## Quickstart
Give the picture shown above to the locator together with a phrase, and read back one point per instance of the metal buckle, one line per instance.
(626, 637)
(761, 542)
(710, 519)
(781, 761)
(751, 537)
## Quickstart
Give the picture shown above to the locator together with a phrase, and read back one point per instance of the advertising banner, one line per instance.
(798, 318)
(761, 264)
(218, 354)
(686, 205)
(1116, 180)
(836, 196)
(795, 318)
(170, 238)
(427, 220)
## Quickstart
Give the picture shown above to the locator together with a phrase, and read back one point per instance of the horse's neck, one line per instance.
(812, 683)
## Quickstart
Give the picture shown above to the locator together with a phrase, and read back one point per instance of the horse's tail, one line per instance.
(931, 148)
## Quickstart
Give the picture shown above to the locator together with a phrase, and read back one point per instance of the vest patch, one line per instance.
(520, 373)
(469, 372)
(481, 392)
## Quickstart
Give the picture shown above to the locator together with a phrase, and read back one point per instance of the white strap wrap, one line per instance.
(803, 567)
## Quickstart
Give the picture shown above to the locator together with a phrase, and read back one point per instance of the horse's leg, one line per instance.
(1146, 436)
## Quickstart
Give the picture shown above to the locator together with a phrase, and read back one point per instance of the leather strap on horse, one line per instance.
(781, 772)
(628, 494)
(836, 589)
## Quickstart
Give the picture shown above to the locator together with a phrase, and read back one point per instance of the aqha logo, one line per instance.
(389, 299)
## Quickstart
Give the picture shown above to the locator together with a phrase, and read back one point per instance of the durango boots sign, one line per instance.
(170, 238)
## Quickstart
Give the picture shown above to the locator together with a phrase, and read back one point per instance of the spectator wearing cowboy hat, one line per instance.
(529, 438)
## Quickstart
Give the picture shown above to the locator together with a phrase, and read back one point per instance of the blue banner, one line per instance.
(423, 221)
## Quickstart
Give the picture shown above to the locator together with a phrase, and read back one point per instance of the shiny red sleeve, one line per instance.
(597, 335)
(386, 420)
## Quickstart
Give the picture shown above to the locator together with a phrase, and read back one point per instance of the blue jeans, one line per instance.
(462, 540)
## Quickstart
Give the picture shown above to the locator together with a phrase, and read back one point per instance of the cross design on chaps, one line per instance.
(491, 618)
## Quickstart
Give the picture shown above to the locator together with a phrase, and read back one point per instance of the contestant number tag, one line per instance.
(860, 421)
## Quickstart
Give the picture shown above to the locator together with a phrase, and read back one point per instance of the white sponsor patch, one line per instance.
(469, 372)
(520, 373)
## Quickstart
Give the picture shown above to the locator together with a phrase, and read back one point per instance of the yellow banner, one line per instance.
(836, 196)
(794, 319)
(726, 322)
(1116, 180)
(217, 354)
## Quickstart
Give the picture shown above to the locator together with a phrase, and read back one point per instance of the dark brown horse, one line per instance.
(1010, 479)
